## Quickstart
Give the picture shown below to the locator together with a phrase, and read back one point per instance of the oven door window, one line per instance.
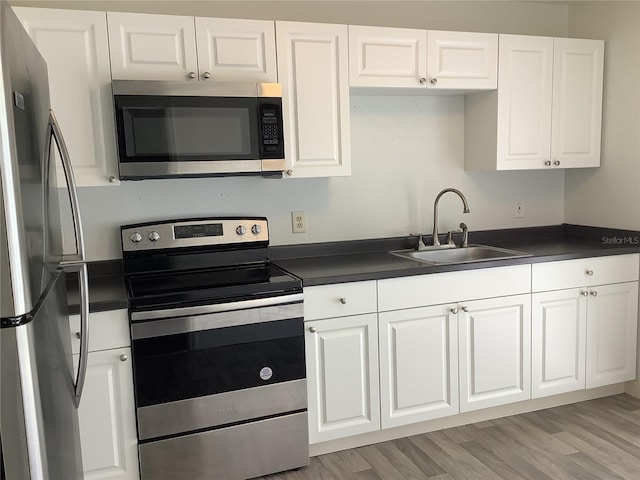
(162, 129)
(187, 365)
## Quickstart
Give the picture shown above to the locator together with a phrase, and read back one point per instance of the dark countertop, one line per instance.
(106, 288)
(339, 262)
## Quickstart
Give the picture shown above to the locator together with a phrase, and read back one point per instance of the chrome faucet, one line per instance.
(436, 241)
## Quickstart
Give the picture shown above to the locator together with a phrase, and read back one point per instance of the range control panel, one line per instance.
(199, 232)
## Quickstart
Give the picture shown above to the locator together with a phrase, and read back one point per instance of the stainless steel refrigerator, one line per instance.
(39, 388)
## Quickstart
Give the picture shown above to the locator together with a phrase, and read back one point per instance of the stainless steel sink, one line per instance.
(451, 255)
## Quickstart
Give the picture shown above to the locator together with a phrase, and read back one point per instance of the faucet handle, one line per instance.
(465, 235)
(420, 245)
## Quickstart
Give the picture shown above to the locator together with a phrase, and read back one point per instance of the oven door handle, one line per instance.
(215, 320)
(215, 308)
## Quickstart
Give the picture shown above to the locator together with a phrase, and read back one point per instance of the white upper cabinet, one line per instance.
(577, 102)
(152, 47)
(547, 110)
(313, 71)
(387, 57)
(75, 46)
(170, 47)
(524, 102)
(460, 60)
(421, 59)
(231, 50)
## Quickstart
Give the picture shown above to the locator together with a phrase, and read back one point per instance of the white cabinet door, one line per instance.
(558, 339)
(524, 102)
(495, 351)
(387, 57)
(461, 60)
(313, 72)
(612, 322)
(418, 365)
(75, 46)
(578, 67)
(152, 47)
(231, 50)
(107, 417)
(342, 377)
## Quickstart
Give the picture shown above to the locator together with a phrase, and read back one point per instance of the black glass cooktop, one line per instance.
(209, 286)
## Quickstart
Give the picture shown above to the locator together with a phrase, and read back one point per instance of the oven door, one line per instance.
(195, 372)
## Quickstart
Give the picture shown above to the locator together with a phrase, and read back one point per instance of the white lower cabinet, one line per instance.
(106, 414)
(584, 328)
(418, 365)
(495, 351)
(558, 342)
(612, 322)
(342, 376)
(395, 352)
(107, 417)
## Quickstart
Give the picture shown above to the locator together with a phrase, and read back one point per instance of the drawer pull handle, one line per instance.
(589, 272)
(78, 335)
(312, 329)
(584, 293)
(343, 301)
(453, 310)
(124, 357)
(465, 309)
(594, 293)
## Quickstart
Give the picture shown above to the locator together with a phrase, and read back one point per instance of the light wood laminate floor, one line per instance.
(593, 440)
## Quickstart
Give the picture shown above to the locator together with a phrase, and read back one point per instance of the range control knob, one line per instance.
(135, 237)
(256, 229)
(241, 229)
(154, 236)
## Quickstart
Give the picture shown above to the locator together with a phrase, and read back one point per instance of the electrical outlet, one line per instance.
(298, 222)
(518, 209)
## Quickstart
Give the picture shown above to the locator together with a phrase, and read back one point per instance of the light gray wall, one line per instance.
(404, 149)
(609, 196)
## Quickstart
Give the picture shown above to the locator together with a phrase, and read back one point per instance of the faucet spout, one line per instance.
(465, 209)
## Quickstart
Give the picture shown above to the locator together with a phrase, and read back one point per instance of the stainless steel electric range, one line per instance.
(218, 350)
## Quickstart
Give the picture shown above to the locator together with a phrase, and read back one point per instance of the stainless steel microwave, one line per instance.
(200, 129)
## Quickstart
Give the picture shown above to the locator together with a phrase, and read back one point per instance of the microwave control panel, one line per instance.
(272, 145)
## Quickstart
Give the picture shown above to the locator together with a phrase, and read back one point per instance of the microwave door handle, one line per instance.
(73, 262)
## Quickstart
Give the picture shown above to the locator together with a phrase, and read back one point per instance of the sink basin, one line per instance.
(451, 255)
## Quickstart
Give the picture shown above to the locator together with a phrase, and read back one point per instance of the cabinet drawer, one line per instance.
(339, 300)
(106, 330)
(585, 272)
(450, 287)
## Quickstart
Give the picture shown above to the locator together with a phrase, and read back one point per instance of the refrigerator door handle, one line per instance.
(53, 131)
(73, 262)
(83, 286)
